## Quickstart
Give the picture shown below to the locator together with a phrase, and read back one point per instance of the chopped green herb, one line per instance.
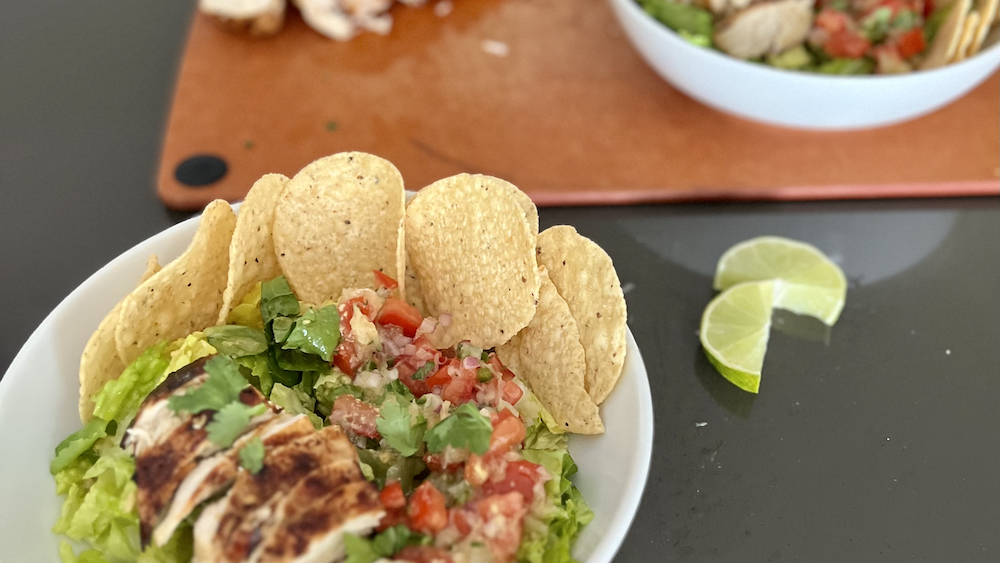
(398, 428)
(332, 126)
(229, 422)
(464, 428)
(248, 144)
(424, 371)
(383, 544)
(252, 455)
(222, 387)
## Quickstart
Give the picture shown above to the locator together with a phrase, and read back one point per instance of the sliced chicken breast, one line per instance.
(231, 529)
(768, 27)
(309, 524)
(214, 474)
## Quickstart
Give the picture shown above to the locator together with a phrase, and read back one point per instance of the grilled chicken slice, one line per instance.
(154, 421)
(168, 446)
(214, 474)
(768, 27)
(259, 18)
(310, 522)
(258, 510)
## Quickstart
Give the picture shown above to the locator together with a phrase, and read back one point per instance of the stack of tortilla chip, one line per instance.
(963, 32)
(466, 250)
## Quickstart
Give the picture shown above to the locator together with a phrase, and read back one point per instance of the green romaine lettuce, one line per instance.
(120, 398)
(550, 538)
(294, 401)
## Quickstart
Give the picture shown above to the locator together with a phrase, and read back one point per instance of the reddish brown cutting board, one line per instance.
(571, 115)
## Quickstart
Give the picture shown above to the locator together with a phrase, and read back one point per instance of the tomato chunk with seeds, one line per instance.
(392, 495)
(520, 478)
(384, 280)
(356, 416)
(427, 511)
(397, 312)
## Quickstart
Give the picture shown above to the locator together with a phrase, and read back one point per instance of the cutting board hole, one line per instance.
(200, 170)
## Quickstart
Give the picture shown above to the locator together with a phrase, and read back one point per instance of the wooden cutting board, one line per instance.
(571, 115)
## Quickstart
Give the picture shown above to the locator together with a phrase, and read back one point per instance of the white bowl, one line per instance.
(797, 99)
(38, 408)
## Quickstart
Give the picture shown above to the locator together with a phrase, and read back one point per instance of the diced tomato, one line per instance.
(363, 306)
(463, 519)
(392, 495)
(507, 513)
(846, 44)
(383, 280)
(505, 373)
(422, 554)
(441, 377)
(356, 416)
(512, 392)
(832, 21)
(397, 312)
(344, 358)
(461, 388)
(436, 464)
(428, 513)
(910, 43)
(520, 477)
(406, 369)
(508, 431)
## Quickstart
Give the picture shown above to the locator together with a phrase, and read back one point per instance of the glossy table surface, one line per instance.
(875, 440)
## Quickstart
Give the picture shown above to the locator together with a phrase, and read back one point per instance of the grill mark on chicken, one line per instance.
(221, 470)
(299, 529)
(161, 468)
(251, 499)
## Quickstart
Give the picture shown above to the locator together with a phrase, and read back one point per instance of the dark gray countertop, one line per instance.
(876, 440)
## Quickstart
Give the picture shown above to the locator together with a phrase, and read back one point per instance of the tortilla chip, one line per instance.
(338, 219)
(414, 295)
(987, 14)
(251, 252)
(100, 363)
(472, 246)
(585, 277)
(969, 30)
(945, 45)
(548, 355)
(186, 295)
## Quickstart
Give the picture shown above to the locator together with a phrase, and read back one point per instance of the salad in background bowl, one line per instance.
(826, 65)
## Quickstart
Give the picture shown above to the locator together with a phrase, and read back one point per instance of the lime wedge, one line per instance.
(734, 331)
(806, 281)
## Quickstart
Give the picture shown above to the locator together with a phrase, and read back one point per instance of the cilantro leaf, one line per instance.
(222, 387)
(424, 371)
(384, 544)
(277, 300)
(397, 427)
(236, 341)
(252, 455)
(229, 421)
(316, 332)
(464, 428)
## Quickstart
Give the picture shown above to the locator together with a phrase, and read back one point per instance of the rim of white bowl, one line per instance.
(659, 28)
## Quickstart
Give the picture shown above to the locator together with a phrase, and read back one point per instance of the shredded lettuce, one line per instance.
(186, 350)
(550, 538)
(247, 313)
(77, 443)
(120, 398)
(295, 401)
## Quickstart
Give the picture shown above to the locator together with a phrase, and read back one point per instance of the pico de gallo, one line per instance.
(464, 454)
(843, 36)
